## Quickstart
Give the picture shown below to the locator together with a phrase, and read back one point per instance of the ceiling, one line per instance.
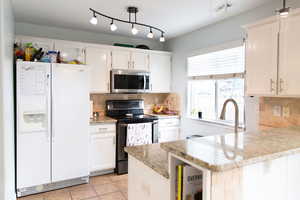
(175, 17)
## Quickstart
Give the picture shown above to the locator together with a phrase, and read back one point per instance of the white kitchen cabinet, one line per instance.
(70, 51)
(102, 147)
(289, 60)
(98, 60)
(120, 59)
(169, 134)
(160, 69)
(261, 58)
(168, 129)
(140, 61)
(272, 56)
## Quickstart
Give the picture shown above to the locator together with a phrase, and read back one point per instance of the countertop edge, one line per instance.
(153, 167)
(227, 167)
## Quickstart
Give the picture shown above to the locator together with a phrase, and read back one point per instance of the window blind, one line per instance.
(227, 61)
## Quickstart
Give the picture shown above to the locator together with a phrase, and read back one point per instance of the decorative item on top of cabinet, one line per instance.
(272, 56)
(160, 69)
(70, 52)
(99, 61)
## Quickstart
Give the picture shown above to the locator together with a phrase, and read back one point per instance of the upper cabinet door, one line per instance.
(120, 59)
(140, 61)
(261, 59)
(99, 61)
(289, 59)
(160, 68)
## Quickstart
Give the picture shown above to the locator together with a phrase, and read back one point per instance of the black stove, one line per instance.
(128, 112)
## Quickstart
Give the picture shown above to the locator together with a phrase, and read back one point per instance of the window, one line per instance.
(213, 78)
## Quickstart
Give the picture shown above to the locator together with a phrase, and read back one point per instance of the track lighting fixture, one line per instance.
(284, 11)
(94, 19)
(113, 27)
(132, 11)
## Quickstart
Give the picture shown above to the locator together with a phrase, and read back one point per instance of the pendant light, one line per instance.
(284, 11)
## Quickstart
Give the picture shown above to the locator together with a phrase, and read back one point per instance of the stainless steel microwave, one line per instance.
(129, 81)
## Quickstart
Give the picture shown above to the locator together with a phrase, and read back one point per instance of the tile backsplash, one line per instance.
(171, 100)
(279, 112)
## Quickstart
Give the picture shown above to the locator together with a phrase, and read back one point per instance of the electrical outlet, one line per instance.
(285, 111)
(277, 110)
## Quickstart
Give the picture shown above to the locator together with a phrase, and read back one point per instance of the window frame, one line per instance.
(241, 75)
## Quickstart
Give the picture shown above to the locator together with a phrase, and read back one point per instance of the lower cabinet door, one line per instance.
(102, 151)
(167, 134)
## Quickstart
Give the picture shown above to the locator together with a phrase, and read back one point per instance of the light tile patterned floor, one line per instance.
(107, 187)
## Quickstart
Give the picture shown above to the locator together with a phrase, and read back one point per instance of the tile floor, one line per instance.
(106, 187)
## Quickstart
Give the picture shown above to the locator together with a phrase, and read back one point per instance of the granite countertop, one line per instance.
(221, 153)
(151, 155)
(102, 119)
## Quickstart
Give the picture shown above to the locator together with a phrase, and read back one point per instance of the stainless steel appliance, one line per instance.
(128, 112)
(130, 81)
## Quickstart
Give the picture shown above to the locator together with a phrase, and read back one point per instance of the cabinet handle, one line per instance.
(271, 85)
(108, 87)
(129, 64)
(114, 140)
(281, 82)
(102, 129)
(151, 86)
(133, 64)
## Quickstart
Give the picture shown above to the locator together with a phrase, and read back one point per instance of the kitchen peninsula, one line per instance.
(261, 165)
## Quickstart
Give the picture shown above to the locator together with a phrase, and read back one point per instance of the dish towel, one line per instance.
(139, 134)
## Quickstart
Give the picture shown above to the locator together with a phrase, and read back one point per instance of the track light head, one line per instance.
(113, 27)
(162, 38)
(150, 34)
(134, 30)
(94, 19)
(284, 11)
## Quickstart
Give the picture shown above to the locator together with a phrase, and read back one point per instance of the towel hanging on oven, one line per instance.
(139, 134)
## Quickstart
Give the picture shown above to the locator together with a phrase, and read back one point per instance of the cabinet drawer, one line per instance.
(168, 122)
(102, 128)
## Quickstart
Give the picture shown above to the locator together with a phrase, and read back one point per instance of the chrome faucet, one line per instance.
(222, 116)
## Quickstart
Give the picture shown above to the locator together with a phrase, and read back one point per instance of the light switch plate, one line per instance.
(277, 110)
(285, 111)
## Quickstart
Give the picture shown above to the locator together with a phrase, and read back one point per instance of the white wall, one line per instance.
(7, 186)
(210, 36)
(83, 36)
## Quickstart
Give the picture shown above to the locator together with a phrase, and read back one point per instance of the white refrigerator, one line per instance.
(52, 126)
